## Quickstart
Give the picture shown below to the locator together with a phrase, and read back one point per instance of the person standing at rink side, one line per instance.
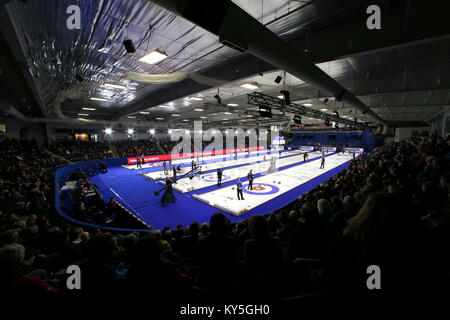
(322, 162)
(166, 172)
(174, 170)
(168, 195)
(138, 162)
(219, 177)
(305, 156)
(250, 180)
(240, 195)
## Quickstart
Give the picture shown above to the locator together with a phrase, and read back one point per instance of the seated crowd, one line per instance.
(77, 150)
(133, 148)
(389, 209)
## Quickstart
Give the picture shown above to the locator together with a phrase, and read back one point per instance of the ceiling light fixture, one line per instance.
(99, 99)
(198, 110)
(250, 86)
(307, 104)
(83, 114)
(89, 109)
(195, 98)
(144, 112)
(153, 57)
(232, 104)
(113, 85)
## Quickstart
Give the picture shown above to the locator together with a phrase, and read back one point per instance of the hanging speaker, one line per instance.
(297, 119)
(129, 46)
(265, 112)
(79, 78)
(278, 79)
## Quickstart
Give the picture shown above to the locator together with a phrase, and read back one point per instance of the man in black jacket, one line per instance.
(250, 180)
(219, 177)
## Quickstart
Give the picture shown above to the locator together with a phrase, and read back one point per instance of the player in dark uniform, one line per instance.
(250, 180)
(305, 156)
(168, 195)
(322, 162)
(193, 164)
(138, 162)
(165, 168)
(219, 177)
(174, 177)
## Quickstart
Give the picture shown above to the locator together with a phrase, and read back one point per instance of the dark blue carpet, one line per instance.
(136, 193)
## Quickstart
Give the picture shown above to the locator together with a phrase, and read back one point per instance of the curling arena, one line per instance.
(197, 195)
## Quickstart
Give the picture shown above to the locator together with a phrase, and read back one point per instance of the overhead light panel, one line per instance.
(154, 57)
(83, 114)
(144, 112)
(308, 104)
(114, 85)
(159, 118)
(175, 115)
(232, 104)
(195, 98)
(199, 110)
(98, 99)
(185, 120)
(130, 131)
(108, 130)
(151, 131)
(280, 97)
(323, 109)
(227, 113)
(88, 109)
(202, 117)
(250, 86)
(131, 117)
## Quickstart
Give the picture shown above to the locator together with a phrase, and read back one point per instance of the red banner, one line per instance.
(164, 157)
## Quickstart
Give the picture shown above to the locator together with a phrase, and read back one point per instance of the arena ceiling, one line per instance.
(401, 72)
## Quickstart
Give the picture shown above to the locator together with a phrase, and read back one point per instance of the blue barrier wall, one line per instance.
(90, 167)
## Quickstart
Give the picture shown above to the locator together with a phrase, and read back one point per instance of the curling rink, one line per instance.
(209, 179)
(270, 186)
(203, 159)
(214, 163)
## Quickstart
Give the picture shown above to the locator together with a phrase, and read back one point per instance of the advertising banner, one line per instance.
(166, 157)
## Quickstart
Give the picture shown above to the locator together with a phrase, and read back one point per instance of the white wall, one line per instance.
(438, 124)
(403, 133)
(35, 130)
